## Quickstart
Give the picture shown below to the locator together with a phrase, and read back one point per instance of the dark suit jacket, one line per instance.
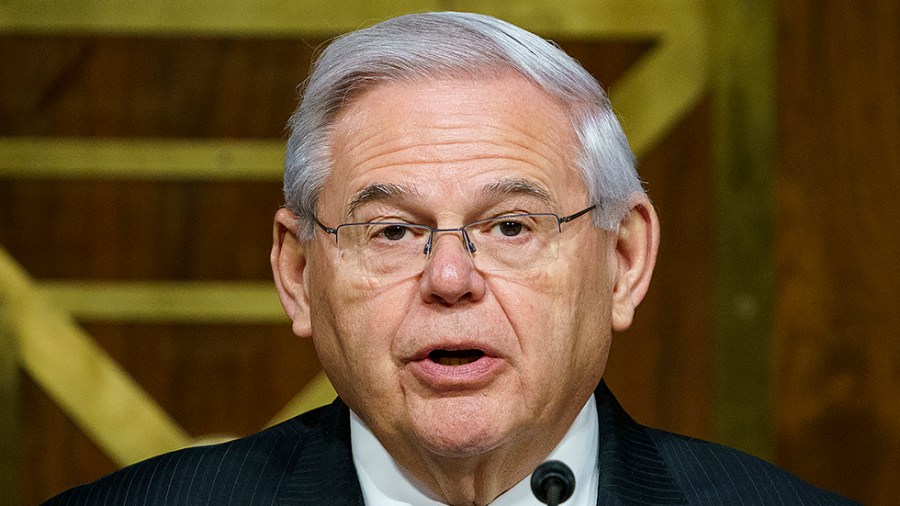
(307, 461)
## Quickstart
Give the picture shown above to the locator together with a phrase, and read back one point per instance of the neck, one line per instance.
(417, 476)
(477, 480)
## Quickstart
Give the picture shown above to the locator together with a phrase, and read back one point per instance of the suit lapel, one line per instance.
(323, 472)
(632, 470)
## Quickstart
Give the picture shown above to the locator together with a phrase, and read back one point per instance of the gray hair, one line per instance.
(448, 45)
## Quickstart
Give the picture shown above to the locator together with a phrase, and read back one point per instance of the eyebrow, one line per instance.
(379, 192)
(502, 188)
(517, 186)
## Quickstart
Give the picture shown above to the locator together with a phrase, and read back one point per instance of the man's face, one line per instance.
(533, 343)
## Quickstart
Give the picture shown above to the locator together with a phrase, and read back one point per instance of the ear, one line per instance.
(289, 264)
(637, 241)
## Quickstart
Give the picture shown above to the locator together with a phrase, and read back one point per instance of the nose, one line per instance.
(450, 276)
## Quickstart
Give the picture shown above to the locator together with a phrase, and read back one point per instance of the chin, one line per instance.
(463, 429)
(460, 445)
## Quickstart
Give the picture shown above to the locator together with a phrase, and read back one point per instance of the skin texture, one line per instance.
(469, 432)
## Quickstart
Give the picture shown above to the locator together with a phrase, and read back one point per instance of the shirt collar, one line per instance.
(385, 483)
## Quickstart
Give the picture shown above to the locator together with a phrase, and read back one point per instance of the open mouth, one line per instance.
(455, 357)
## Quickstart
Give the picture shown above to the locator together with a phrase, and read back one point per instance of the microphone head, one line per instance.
(552, 482)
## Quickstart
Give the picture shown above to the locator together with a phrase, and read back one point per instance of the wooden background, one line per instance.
(837, 246)
(835, 363)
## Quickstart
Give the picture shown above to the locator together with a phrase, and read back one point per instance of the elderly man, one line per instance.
(464, 229)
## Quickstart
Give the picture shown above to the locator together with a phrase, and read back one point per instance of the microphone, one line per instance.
(552, 483)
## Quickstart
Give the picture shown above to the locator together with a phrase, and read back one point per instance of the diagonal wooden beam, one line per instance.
(9, 401)
(317, 392)
(111, 408)
(667, 83)
(659, 89)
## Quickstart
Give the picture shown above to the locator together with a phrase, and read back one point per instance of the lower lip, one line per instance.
(472, 375)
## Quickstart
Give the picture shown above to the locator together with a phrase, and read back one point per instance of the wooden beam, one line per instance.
(180, 17)
(318, 17)
(744, 105)
(9, 401)
(160, 301)
(318, 392)
(102, 158)
(674, 73)
(659, 89)
(100, 397)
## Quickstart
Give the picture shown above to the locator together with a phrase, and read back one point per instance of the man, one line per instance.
(464, 229)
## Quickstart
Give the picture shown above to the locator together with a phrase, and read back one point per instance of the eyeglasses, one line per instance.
(512, 242)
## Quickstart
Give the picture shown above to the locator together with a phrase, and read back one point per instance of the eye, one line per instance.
(518, 226)
(393, 232)
(509, 228)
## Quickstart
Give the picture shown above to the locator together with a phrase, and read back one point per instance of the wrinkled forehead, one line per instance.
(355, 85)
(474, 137)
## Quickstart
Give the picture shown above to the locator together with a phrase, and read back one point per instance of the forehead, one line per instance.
(446, 141)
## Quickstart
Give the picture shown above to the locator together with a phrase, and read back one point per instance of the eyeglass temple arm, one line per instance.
(566, 219)
(328, 230)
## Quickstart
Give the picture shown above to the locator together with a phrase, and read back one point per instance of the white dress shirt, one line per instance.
(385, 483)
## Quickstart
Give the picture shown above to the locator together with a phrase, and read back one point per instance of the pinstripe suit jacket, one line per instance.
(307, 461)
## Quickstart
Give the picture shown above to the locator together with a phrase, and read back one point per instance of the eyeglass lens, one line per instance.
(393, 249)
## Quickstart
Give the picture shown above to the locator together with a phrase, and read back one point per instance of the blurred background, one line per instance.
(140, 163)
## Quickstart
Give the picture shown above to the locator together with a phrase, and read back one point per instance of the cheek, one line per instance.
(354, 321)
(341, 349)
(540, 307)
(569, 305)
